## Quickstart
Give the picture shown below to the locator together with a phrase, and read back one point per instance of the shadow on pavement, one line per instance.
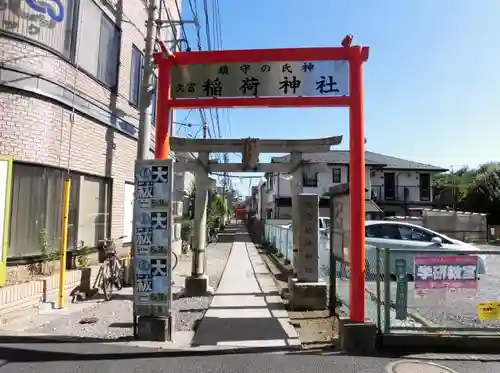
(44, 349)
(45, 352)
(55, 339)
(32, 349)
(249, 329)
(424, 353)
(121, 325)
(230, 235)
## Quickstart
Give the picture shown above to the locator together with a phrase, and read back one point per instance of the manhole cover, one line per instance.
(415, 366)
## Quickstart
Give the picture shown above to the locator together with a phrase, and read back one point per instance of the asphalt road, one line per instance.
(98, 358)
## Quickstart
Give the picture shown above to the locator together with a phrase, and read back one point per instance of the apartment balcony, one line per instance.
(401, 194)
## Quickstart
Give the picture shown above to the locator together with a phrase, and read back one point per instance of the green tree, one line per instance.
(470, 189)
(215, 208)
(216, 211)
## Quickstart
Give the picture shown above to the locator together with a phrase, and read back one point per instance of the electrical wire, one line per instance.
(217, 31)
(183, 29)
(73, 109)
(194, 10)
(216, 40)
(207, 24)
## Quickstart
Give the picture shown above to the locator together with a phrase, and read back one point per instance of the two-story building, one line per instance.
(396, 185)
(70, 78)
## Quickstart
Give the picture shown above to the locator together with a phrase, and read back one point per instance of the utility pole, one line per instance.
(146, 83)
(453, 187)
(225, 191)
(205, 130)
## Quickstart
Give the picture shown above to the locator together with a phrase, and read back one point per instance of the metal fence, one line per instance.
(281, 239)
(441, 291)
(411, 290)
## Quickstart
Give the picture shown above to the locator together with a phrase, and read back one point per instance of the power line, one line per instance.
(194, 10)
(216, 123)
(171, 22)
(207, 24)
(183, 29)
(217, 35)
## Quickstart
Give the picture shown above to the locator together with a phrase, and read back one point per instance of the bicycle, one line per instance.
(213, 235)
(175, 260)
(110, 272)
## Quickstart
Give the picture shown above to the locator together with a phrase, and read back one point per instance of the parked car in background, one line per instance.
(323, 226)
(414, 238)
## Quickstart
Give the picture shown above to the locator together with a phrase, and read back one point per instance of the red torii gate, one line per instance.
(355, 55)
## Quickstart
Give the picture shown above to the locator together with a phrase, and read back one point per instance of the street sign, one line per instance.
(401, 289)
(269, 79)
(153, 237)
(458, 272)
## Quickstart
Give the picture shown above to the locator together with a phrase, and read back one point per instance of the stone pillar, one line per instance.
(197, 283)
(308, 221)
(307, 292)
(295, 188)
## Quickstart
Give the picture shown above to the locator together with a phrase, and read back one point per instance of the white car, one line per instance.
(323, 226)
(412, 237)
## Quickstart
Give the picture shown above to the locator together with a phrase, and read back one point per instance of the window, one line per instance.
(336, 175)
(270, 180)
(37, 194)
(389, 185)
(414, 234)
(425, 187)
(387, 231)
(136, 66)
(109, 45)
(309, 179)
(93, 210)
(55, 29)
(98, 44)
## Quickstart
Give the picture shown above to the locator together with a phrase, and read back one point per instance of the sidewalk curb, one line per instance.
(282, 267)
(280, 286)
(227, 350)
(166, 348)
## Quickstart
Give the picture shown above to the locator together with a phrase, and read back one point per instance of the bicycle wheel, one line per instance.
(117, 274)
(175, 260)
(107, 281)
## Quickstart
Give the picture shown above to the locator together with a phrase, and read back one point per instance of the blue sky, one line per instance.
(432, 81)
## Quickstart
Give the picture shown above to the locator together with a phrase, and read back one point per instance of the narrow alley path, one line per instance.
(246, 310)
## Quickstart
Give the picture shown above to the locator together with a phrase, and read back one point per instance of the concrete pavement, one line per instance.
(247, 310)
